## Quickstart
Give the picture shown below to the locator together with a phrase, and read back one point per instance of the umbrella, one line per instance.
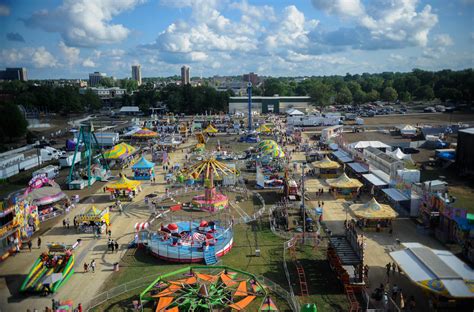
(53, 278)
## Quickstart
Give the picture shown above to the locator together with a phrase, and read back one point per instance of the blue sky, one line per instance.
(70, 38)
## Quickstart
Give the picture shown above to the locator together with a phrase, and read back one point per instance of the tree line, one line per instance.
(418, 85)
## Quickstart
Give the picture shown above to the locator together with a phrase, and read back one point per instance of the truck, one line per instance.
(49, 153)
(50, 172)
(67, 159)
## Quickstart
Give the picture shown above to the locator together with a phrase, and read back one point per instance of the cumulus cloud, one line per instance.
(88, 62)
(84, 23)
(14, 36)
(383, 23)
(37, 57)
(4, 10)
(70, 54)
(443, 40)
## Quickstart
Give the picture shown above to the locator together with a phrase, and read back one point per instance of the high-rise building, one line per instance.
(185, 75)
(95, 78)
(252, 77)
(137, 74)
(17, 73)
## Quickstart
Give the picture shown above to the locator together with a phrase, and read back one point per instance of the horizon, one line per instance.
(63, 38)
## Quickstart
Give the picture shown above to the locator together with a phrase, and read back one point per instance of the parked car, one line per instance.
(429, 109)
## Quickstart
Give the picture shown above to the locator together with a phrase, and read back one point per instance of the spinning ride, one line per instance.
(200, 290)
(211, 200)
(192, 240)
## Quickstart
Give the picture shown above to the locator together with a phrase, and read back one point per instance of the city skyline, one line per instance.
(283, 38)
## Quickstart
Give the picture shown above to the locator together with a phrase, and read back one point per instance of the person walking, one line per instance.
(116, 246)
(39, 242)
(79, 307)
(394, 268)
(64, 223)
(388, 267)
(86, 267)
(92, 265)
(30, 244)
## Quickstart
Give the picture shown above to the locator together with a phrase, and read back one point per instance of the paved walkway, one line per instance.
(81, 287)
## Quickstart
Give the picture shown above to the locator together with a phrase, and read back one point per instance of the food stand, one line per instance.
(344, 187)
(373, 215)
(123, 188)
(327, 168)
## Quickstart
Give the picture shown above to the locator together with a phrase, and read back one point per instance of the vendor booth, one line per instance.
(123, 188)
(94, 219)
(143, 169)
(344, 187)
(326, 168)
(373, 215)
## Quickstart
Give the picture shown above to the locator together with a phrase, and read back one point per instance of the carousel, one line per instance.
(123, 188)
(327, 168)
(211, 200)
(373, 215)
(47, 196)
(344, 187)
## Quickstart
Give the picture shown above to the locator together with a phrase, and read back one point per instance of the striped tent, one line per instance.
(145, 133)
(120, 151)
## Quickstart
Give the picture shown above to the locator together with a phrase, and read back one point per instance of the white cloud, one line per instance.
(85, 23)
(443, 40)
(395, 21)
(37, 57)
(70, 54)
(43, 58)
(88, 62)
(4, 10)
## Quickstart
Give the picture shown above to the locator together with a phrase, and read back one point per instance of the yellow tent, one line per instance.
(343, 181)
(373, 210)
(210, 129)
(95, 215)
(264, 128)
(326, 163)
(123, 184)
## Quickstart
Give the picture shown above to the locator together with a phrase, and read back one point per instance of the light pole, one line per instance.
(249, 92)
(302, 200)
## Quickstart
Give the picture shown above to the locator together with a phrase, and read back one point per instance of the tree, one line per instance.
(91, 101)
(389, 94)
(424, 93)
(404, 96)
(445, 94)
(12, 122)
(107, 82)
(344, 96)
(129, 84)
(273, 86)
(359, 96)
(373, 96)
(320, 94)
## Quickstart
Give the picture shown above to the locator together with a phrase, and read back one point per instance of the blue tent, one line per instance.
(143, 164)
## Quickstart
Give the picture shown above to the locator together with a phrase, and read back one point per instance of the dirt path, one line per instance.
(82, 286)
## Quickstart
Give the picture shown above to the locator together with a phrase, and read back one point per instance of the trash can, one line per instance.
(116, 267)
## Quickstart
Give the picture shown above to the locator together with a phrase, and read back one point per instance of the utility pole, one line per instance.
(302, 200)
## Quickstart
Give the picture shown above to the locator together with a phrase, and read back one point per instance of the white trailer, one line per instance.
(107, 139)
(50, 171)
(30, 162)
(48, 153)
(66, 160)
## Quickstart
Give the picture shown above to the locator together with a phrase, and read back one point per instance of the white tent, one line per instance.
(294, 112)
(398, 154)
(365, 144)
(408, 130)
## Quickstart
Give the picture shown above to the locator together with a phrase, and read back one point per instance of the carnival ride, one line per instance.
(50, 271)
(211, 200)
(195, 290)
(87, 171)
(47, 196)
(192, 240)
